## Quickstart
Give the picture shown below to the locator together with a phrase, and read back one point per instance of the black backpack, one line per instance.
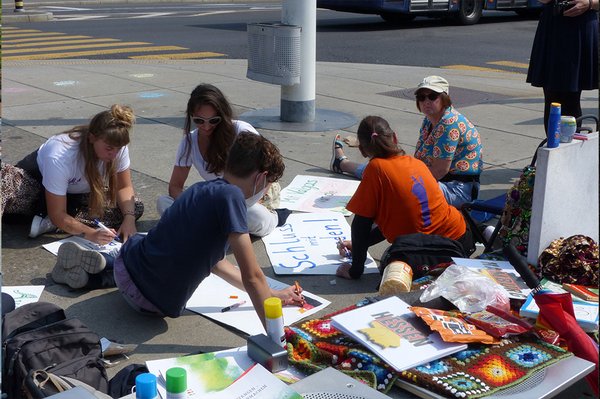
(38, 336)
(423, 252)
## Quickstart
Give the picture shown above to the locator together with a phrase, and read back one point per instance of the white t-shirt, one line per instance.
(195, 157)
(63, 168)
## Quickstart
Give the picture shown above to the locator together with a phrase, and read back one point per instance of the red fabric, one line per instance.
(556, 311)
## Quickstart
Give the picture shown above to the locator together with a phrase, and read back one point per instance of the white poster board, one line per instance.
(23, 294)
(214, 294)
(307, 244)
(317, 194)
(112, 248)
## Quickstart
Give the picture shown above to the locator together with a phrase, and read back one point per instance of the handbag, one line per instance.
(42, 384)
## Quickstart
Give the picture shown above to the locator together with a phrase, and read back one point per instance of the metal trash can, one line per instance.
(274, 53)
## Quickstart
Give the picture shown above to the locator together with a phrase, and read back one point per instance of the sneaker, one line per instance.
(74, 263)
(335, 163)
(41, 225)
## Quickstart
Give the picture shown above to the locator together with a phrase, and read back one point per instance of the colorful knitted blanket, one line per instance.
(477, 371)
(483, 370)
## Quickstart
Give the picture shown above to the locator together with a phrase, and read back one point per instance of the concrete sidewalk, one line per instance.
(44, 98)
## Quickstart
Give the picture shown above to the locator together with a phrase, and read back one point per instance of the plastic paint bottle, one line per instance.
(145, 386)
(176, 383)
(554, 126)
(274, 321)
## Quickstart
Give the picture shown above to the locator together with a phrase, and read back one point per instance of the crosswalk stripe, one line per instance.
(20, 31)
(32, 34)
(61, 48)
(41, 39)
(63, 42)
(509, 64)
(180, 56)
(78, 54)
(475, 68)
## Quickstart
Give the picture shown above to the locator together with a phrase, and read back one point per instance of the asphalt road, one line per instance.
(501, 40)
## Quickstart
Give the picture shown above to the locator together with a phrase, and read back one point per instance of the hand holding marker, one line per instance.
(103, 227)
(341, 245)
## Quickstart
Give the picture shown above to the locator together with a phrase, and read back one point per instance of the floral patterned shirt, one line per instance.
(453, 137)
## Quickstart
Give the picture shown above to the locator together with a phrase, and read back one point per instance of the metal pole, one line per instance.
(298, 101)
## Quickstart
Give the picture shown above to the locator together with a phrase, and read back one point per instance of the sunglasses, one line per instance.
(215, 120)
(431, 96)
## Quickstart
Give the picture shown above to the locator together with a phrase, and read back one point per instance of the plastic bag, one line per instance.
(468, 290)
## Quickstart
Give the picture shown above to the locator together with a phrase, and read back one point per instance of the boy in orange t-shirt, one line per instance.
(398, 193)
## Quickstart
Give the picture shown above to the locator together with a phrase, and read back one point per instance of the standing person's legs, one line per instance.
(570, 103)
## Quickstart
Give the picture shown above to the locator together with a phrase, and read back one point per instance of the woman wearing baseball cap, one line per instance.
(449, 144)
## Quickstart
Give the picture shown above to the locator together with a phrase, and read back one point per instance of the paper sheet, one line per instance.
(307, 244)
(111, 248)
(214, 293)
(317, 194)
(23, 294)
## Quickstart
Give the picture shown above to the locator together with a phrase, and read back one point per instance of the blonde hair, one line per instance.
(112, 127)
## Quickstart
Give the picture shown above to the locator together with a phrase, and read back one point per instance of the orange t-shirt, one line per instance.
(401, 195)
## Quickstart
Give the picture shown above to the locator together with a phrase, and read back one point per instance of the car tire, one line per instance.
(470, 11)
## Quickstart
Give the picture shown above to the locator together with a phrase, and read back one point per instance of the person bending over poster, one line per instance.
(157, 273)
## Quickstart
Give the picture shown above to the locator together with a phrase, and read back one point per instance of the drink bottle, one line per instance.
(554, 126)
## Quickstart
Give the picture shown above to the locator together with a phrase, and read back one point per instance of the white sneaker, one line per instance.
(163, 202)
(40, 225)
(73, 264)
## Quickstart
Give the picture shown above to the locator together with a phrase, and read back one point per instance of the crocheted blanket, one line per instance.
(483, 370)
(477, 371)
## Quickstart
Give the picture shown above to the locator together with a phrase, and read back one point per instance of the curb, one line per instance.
(27, 16)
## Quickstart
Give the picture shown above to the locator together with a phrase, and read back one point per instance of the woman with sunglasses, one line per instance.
(209, 132)
(449, 144)
(79, 178)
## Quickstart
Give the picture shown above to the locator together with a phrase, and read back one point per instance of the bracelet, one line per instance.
(130, 213)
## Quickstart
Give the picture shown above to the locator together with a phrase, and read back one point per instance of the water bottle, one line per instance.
(145, 386)
(274, 321)
(176, 383)
(554, 126)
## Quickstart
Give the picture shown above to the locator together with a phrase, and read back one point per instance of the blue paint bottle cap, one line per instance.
(145, 386)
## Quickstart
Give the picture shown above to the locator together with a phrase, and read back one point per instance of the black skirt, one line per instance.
(564, 56)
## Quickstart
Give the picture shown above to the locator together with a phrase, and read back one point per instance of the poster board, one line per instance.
(112, 248)
(307, 244)
(24, 294)
(317, 194)
(214, 294)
